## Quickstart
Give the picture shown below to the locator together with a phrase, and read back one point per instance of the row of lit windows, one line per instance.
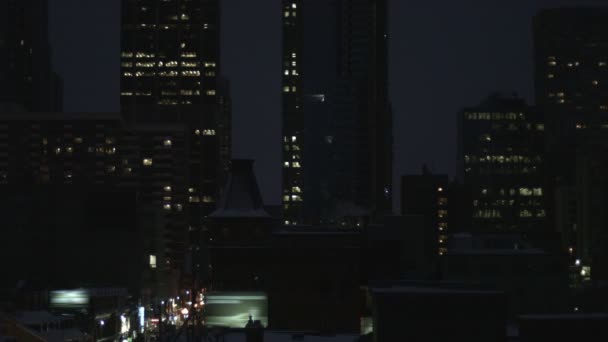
(493, 116)
(529, 213)
(294, 72)
(171, 64)
(507, 203)
(502, 169)
(521, 191)
(295, 165)
(496, 214)
(173, 73)
(152, 55)
(552, 61)
(129, 93)
(292, 148)
(287, 89)
(197, 199)
(292, 198)
(502, 159)
(183, 92)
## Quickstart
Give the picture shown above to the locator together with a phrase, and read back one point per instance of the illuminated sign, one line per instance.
(69, 298)
(232, 309)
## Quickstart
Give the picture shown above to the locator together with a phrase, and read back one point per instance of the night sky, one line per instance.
(444, 55)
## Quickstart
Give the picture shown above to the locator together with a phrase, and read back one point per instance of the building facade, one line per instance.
(571, 67)
(172, 94)
(571, 83)
(501, 161)
(89, 151)
(337, 127)
(427, 195)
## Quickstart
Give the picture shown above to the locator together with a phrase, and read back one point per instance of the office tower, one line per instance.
(170, 61)
(337, 129)
(293, 114)
(571, 63)
(170, 74)
(170, 80)
(27, 80)
(501, 159)
(571, 81)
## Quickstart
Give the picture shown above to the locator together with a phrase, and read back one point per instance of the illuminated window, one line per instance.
(537, 192)
(191, 190)
(152, 261)
(294, 5)
(525, 192)
(197, 132)
(167, 143)
(286, 14)
(286, 89)
(208, 199)
(167, 188)
(295, 165)
(525, 213)
(296, 198)
(296, 189)
(167, 206)
(210, 92)
(294, 138)
(595, 82)
(147, 162)
(209, 132)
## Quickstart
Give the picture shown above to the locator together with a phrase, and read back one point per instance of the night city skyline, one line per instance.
(473, 41)
(303, 170)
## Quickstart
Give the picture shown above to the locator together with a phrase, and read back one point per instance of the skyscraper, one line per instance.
(501, 160)
(571, 59)
(170, 80)
(26, 76)
(571, 83)
(571, 80)
(170, 61)
(337, 127)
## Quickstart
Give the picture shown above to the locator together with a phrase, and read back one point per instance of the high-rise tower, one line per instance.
(170, 77)
(337, 127)
(26, 76)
